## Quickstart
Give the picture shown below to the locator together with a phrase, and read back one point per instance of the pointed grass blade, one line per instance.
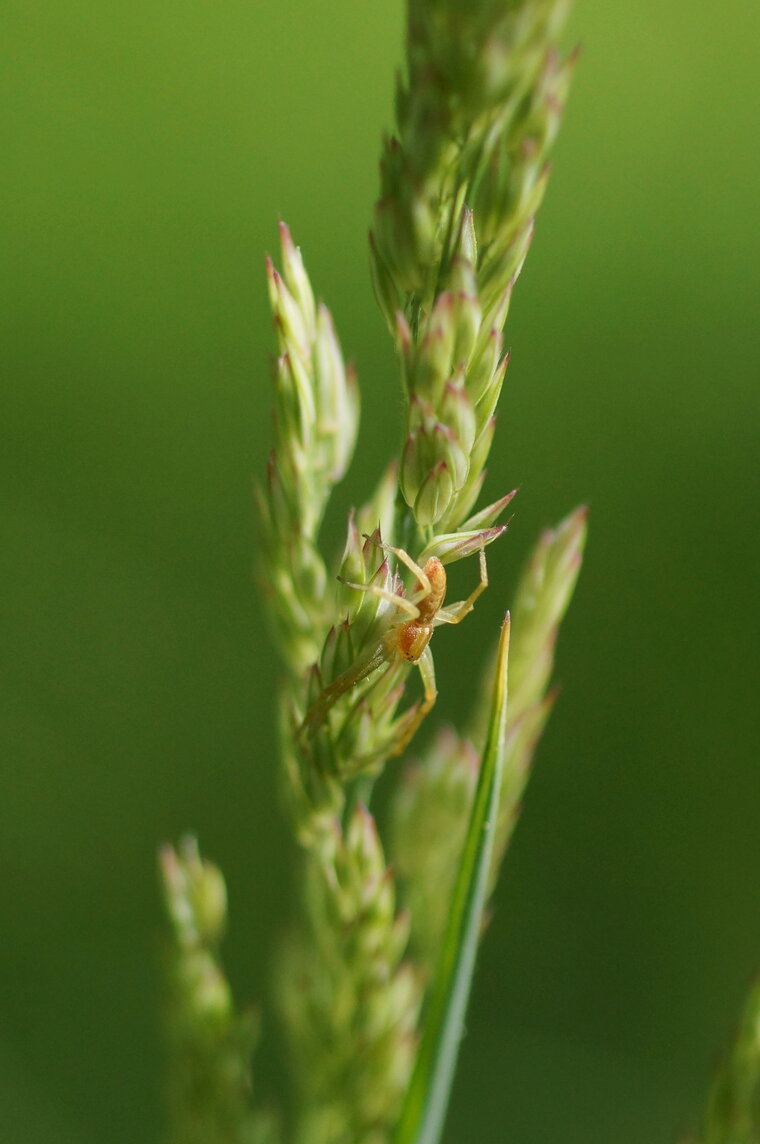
(427, 1098)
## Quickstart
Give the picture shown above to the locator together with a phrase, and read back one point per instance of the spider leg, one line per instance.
(354, 674)
(427, 671)
(455, 613)
(373, 589)
(406, 559)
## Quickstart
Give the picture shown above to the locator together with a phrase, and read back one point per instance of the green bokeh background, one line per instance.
(147, 151)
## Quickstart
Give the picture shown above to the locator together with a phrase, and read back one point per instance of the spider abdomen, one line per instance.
(412, 638)
(429, 605)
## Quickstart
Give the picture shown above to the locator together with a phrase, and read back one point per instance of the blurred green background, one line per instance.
(147, 151)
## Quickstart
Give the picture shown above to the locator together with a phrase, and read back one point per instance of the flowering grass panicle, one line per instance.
(209, 1082)
(316, 414)
(373, 970)
(460, 185)
(352, 1020)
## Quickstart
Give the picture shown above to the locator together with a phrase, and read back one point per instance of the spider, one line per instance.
(406, 639)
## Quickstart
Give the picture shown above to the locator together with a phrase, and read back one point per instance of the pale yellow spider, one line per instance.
(406, 639)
